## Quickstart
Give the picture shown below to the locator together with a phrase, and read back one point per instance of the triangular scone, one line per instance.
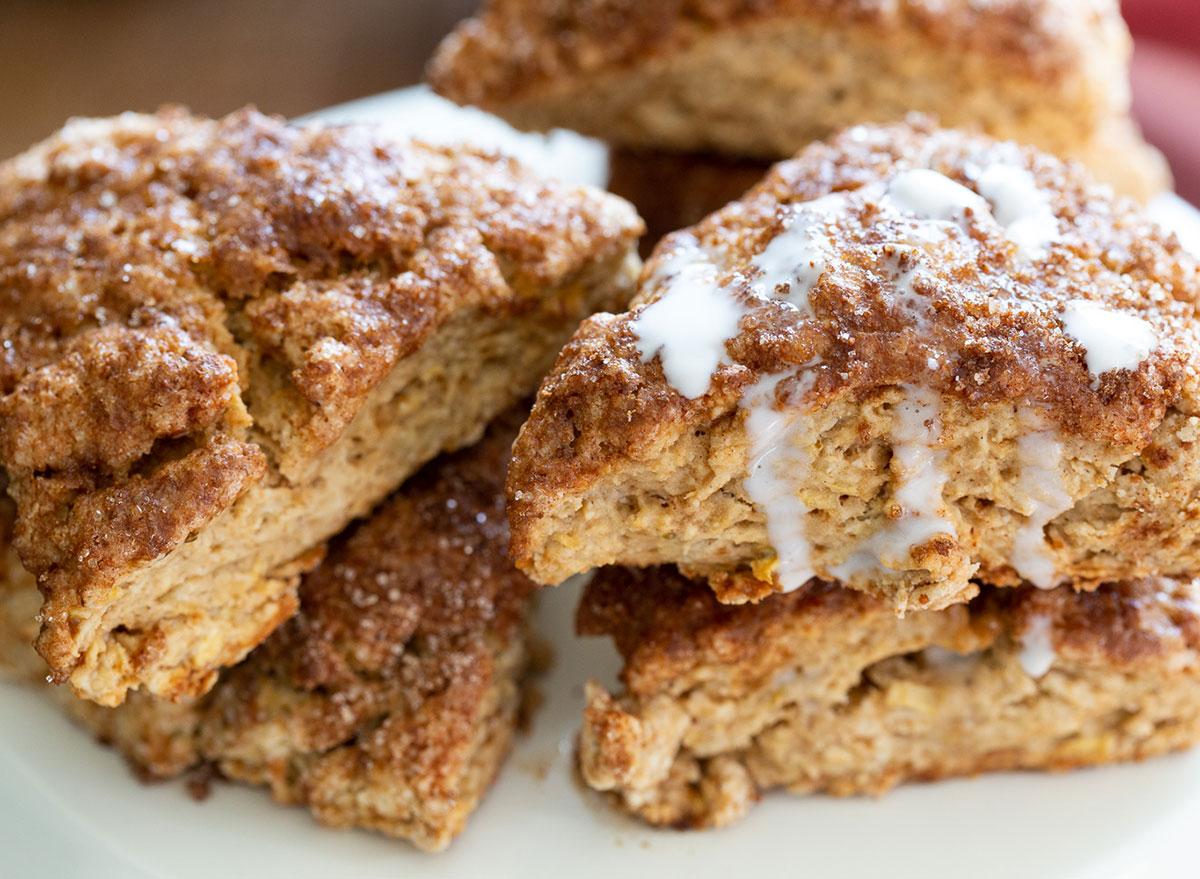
(390, 700)
(868, 371)
(223, 340)
(763, 79)
(826, 690)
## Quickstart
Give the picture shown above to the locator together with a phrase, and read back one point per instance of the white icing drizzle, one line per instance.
(1112, 339)
(778, 468)
(921, 481)
(903, 285)
(1040, 456)
(1008, 194)
(1021, 207)
(1176, 215)
(691, 322)
(908, 270)
(915, 433)
(1037, 652)
(795, 259)
(929, 195)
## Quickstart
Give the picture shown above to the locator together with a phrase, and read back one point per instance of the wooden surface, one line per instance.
(60, 58)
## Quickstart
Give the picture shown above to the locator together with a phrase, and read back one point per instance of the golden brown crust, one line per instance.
(76, 412)
(764, 79)
(160, 274)
(515, 47)
(88, 536)
(664, 624)
(992, 319)
(981, 328)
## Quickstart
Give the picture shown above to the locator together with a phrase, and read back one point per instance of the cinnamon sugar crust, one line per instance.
(390, 699)
(616, 465)
(222, 340)
(824, 689)
(761, 80)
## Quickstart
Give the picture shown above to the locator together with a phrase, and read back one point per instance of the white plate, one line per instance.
(69, 807)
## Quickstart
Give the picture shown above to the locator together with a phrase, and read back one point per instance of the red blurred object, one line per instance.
(1166, 83)
(1169, 21)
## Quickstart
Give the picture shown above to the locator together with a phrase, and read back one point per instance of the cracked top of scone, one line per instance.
(668, 627)
(189, 305)
(517, 47)
(966, 277)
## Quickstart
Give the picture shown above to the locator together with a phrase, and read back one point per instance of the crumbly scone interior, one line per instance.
(482, 363)
(684, 501)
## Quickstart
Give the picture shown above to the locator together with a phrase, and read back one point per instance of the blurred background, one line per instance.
(60, 58)
(68, 57)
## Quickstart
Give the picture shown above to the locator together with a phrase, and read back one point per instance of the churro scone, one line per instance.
(391, 698)
(753, 79)
(825, 689)
(223, 340)
(908, 360)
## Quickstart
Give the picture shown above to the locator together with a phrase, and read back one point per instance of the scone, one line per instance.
(753, 79)
(223, 340)
(826, 689)
(390, 700)
(910, 359)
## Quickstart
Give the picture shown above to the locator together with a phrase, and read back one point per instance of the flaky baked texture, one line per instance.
(762, 79)
(223, 340)
(390, 700)
(918, 404)
(825, 689)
